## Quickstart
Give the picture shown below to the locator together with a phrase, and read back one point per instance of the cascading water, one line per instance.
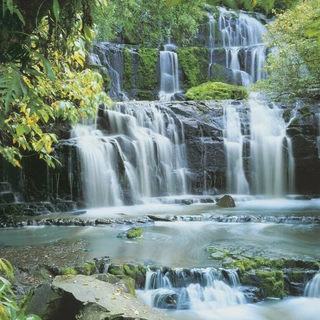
(136, 153)
(312, 288)
(242, 40)
(169, 74)
(233, 141)
(194, 289)
(211, 40)
(110, 56)
(272, 162)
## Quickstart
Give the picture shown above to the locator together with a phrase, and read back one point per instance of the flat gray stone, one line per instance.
(107, 297)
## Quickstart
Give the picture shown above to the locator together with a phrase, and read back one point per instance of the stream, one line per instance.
(182, 244)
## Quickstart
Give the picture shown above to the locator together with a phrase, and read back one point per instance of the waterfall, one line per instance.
(312, 288)
(110, 56)
(272, 162)
(212, 25)
(169, 74)
(241, 37)
(233, 142)
(194, 289)
(134, 152)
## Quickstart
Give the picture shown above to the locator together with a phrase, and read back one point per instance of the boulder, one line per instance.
(226, 202)
(87, 298)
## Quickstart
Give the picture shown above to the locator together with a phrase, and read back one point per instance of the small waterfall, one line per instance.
(272, 162)
(242, 40)
(233, 141)
(312, 288)
(194, 289)
(134, 152)
(110, 56)
(169, 74)
(212, 26)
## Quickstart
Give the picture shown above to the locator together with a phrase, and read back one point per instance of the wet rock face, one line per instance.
(203, 126)
(304, 130)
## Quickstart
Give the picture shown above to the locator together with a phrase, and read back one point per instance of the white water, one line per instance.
(212, 26)
(140, 155)
(111, 58)
(272, 162)
(312, 288)
(195, 289)
(243, 44)
(169, 74)
(233, 141)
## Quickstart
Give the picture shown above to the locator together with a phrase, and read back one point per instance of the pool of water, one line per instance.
(183, 243)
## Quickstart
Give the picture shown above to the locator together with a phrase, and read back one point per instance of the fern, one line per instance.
(12, 86)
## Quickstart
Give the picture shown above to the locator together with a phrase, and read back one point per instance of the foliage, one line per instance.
(8, 307)
(194, 64)
(43, 75)
(150, 23)
(216, 91)
(147, 68)
(294, 64)
(256, 5)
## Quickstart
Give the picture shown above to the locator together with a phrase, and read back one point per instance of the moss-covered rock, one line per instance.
(128, 72)
(193, 62)
(216, 91)
(116, 270)
(132, 233)
(68, 271)
(272, 283)
(86, 269)
(148, 59)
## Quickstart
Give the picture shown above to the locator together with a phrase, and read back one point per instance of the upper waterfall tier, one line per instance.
(229, 48)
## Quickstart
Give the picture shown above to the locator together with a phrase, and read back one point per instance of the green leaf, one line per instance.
(56, 10)
(171, 3)
(18, 13)
(10, 5)
(12, 87)
(47, 66)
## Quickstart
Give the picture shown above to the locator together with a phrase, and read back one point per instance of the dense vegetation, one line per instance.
(294, 64)
(45, 76)
(216, 91)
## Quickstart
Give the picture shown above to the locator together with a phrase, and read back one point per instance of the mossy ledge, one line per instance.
(275, 278)
(217, 91)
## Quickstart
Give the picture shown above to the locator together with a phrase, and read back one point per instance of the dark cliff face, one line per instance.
(304, 130)
(203, 125)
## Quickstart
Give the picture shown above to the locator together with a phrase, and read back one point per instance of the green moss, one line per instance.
(68, 271)
(194, 64)
(128, 75)
(86, 269)
(116, 270)
(287, 115)
(146, 95)
(218, 73)
(216, 91)
(130, 283)
(148, 59)
(272, 283)
(242, 265)
(134, 233)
